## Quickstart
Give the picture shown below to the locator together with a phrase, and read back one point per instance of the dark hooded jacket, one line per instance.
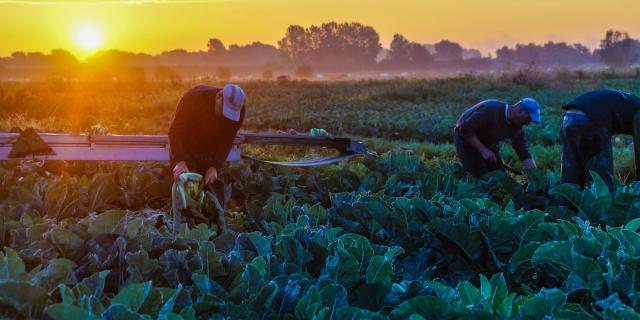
(197, 135)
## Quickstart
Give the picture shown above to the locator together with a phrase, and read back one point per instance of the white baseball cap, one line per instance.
(233, 99)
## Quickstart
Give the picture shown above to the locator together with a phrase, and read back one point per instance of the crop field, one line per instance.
(402, 233)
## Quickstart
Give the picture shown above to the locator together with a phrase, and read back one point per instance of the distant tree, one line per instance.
(550, 54)
(563, 54)
(112, 59)
(331, 44)
(29, 59)
(267, 75)
(400, 50)
(528, 53)
(253, 54)
(223, 73)
(295, 45)
(505, 56)
(61, 63)
(345, 44)
(471, 54)
(18, 55)
(114, 64)
(448, 51)
(304, 71)
(582, 49)
(215, 45)
(404, 53)
(419, 55)
(256, 53)
(618, 50)
(63, 58)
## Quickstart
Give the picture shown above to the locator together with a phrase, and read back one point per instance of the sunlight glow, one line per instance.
(89, 39)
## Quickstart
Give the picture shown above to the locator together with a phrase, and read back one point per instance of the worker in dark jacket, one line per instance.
(591, 119)
(206, 121)
(480, 129)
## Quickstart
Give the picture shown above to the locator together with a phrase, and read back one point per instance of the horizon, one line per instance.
(84, 27)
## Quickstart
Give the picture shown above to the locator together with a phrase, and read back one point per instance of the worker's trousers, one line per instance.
(471, 159)
(585, 147)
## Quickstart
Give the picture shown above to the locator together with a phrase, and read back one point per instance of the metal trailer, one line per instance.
(156, 147)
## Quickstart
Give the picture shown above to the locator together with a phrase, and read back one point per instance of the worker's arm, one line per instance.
(529, 163)
(215, 160)
(480, 118)
(519, 144)
(222, 150)
(177, 130)
(221, 146)
(485, 152)
(211, 176)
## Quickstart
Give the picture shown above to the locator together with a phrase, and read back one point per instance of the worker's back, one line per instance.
(611, 109)
(200, 136)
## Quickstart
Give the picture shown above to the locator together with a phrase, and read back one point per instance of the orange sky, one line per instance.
(156, 25)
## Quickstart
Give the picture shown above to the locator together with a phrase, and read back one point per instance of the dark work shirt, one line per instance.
(611, 109)
(197, 135)
(487, 121)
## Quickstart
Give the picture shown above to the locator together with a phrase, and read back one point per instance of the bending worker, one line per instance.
(587, 127)
(480, 129)
(201, 135)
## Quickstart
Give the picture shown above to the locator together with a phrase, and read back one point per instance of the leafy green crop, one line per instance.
(403, 235)
(396, 237)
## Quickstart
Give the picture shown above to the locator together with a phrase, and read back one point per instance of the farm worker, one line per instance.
(588, 124)
(480, 129)
(201, 135)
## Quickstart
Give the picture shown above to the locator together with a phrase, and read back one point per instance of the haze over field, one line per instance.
(153, 26)
(365, 128)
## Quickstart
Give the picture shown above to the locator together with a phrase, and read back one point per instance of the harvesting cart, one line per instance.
(29, 144)
(54, 146)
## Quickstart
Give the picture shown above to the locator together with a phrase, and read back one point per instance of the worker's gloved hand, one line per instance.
(489, 156)
(529, 163)
(180, 168)
(211, 175)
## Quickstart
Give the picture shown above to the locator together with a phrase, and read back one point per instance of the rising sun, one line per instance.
(89, 39)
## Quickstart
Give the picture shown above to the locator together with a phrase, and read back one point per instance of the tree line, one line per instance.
(345, 47)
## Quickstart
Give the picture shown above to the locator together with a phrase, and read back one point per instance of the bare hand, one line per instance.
(180, 168)
(211, 175)
(488, 155)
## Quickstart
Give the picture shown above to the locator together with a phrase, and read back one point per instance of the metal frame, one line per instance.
(156, 147)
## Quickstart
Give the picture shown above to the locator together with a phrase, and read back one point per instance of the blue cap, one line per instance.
(533, 107)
